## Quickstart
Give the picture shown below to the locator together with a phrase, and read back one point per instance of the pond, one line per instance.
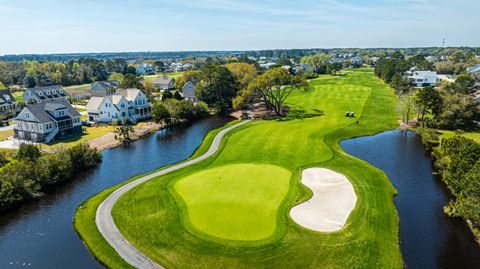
(40, 234)
(428, 237)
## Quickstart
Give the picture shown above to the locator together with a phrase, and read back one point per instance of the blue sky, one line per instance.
(60, 26)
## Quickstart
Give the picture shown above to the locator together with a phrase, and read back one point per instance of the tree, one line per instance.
(2, 86)
(333, 68)
(177, 95)
(428, 100)
(400, 84)
(116, 76)
(217, 87)
(160, 113)
(465, 84)
(28, 152)
(125, 131)
(166, 95)
(130, 81)
(408, 105)
(191, 75)
(459, 112)
(244, 73)
(317, 61)
(148, 88)
(274, 86)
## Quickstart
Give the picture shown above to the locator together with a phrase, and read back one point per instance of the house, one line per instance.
(144, 69)
(164, 82)
(476, 97)
(356, 61)
(302, 68)
(130, 105)
(188, 91)
(474, 70)
(422, 78)
(431, 59)
(267, 65)
(8, 105)
(47, 121)
(43, 94)
(104, 88)
(374, 59)
(336, 60)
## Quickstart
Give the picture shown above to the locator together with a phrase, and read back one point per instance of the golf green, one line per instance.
(235, 202)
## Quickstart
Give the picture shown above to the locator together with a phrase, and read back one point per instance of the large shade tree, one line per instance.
(274, 86)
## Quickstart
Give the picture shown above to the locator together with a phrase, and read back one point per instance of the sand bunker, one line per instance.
(332, 201)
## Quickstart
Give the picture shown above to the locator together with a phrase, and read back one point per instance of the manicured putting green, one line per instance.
(235, 202)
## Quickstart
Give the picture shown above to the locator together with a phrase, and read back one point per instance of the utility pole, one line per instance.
(443, 45)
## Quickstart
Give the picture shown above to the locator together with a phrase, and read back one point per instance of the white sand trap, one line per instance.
(332, 202)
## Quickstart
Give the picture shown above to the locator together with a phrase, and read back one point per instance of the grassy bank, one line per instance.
(163, 217)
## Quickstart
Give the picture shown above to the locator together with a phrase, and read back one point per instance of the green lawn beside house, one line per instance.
(176, 219)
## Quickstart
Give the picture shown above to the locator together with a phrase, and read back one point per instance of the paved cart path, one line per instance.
(104, 219)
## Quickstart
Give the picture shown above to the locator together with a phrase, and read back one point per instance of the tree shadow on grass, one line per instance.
(298, 114)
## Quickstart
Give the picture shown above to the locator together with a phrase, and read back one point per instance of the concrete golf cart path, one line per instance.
(104, 219)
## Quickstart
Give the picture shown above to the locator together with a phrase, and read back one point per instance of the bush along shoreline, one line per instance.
(457, 160)
(27, 173)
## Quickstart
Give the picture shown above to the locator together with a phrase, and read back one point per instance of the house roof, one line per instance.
(40, 111)
(116, 98)
(94, 103)
(48, 91)
(6, 97)
(163, 80)
(129, 94)
(474, 69)
(188, 83)
(107, 83)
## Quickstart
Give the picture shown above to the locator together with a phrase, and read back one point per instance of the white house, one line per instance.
(188, 91)
(130, 105)
(144, 69)
(422, 78)
(44, 122)
(42, 94)
(357, 61)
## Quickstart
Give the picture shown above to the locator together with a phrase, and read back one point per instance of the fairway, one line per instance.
(232, 209)
(235, 202)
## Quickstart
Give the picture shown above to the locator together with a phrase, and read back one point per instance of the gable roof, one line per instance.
(6, 97)
(107, 83)
(129, 94)
(188, 83)
(163, 80)
(40, 111)
(48, 92)
(474, 69)
(94, 103)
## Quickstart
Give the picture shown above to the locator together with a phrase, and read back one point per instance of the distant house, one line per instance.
(188, 91)
(104, 88)
(474, 70)
(374, 59)
(422, 78)
(302, 68)
(476, 96)
(130, 105)
(45, 122)
(43, 94)
(267, 65)
(164, 82)
(356, 61)
(431, 59)
(8, 105)
(336, 60)
(145, 69)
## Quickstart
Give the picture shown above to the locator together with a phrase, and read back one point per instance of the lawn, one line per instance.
(174, 75)
(91, 133)
(18, 96)
(5, 134)
(446, 134)
(176, 219)
(78, 87)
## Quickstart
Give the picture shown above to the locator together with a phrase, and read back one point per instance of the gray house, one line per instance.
(8, 105)
(104, 88)
(43, 94)
(45, 122)
(164, 82)
(188, 91)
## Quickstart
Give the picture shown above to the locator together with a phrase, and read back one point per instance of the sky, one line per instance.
(66, 26)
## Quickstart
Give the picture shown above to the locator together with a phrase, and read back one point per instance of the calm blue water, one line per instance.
(40, 234)
(428, 237)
